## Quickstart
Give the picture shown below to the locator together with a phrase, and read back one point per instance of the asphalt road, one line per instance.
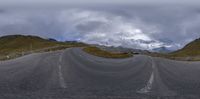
(74, 74)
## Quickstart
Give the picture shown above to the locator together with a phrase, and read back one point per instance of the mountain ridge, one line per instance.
(190, 49)
(18, 45)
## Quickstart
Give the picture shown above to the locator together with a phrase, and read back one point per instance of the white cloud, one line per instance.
(109, 29)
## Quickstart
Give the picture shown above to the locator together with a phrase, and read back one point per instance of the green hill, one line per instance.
(17, 45)
(190, 52)
(191, 49)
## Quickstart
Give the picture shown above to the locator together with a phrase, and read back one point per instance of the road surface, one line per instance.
(74, 74)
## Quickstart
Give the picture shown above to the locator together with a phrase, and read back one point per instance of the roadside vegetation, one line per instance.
(102, 53)
(175, 57)
(13, 46)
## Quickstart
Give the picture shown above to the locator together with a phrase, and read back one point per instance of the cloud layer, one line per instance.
(143, 27)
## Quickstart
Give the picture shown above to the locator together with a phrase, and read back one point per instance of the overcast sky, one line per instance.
(19, 2)
(144, 24)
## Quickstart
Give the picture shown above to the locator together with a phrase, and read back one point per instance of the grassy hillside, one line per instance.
(15, 45)
(191, 52)
(102, 53)
(191, 49)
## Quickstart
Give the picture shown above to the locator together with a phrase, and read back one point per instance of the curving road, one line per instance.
(74, 74)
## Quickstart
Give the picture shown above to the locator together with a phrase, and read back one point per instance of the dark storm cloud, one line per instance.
(139, 26)
(41, 23)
